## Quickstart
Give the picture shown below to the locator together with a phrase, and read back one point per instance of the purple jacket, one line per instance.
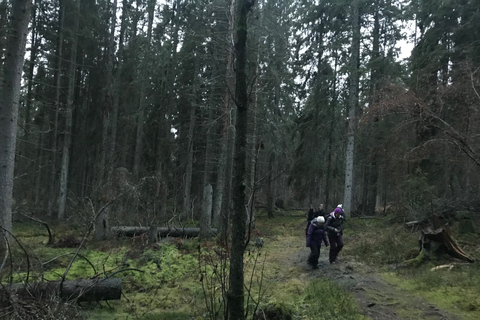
(315, 235)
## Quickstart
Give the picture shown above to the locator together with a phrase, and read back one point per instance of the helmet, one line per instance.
(320, 220)
(340, 206)
(338, 210)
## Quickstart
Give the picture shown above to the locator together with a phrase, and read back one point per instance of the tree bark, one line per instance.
(206, 218)
(353, 102)
(221, 201)
(52, 190)
(9, 100)
(67, 140)
(235, 295)
(108, 99)
(142, 103)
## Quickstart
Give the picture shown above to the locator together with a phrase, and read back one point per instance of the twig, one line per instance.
(26, 253)
(87, 233)
(67, 254)
(123, 270)
(50, 236)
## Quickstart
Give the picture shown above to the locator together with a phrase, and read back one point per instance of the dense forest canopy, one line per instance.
(132, 102)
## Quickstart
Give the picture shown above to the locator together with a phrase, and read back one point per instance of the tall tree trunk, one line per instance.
(221, 201)
(235, 296)
(143, 84)
(108, 99)
(271, 186)
(52, 190)
(254, 151)
(353, 102)
(67, 140)
(31, 69)
(331, 128)
(206, 217)
(189, 167)
(9, 99)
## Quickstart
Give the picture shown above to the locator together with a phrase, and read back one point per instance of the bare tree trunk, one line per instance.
(9, 98)
(206, 217)
(221, 199)
(108, 98)
(270, 186)
(52, 190)
(353, 101)
(333, 104)
(254, 151)
(235, 296)
(189, 167)
(142, 104)
(67, 140)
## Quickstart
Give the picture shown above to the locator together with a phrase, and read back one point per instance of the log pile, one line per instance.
(162, 232)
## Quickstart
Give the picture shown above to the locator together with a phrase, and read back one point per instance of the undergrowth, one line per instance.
(393, 248)
(188, 278)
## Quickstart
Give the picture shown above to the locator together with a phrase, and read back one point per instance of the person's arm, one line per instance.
(328, 227)
(309, 235)
(325, 239)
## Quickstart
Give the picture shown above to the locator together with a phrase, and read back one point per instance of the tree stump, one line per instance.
(435, 237)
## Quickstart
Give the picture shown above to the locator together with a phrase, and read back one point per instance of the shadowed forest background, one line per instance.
(136, 97)
(184, 113)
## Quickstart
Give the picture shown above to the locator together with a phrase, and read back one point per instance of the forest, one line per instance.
(200, 113)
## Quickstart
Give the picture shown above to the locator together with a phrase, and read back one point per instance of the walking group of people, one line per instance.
(327, 229)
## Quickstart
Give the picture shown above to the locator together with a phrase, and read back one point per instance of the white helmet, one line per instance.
(340, 206)
(320, 220)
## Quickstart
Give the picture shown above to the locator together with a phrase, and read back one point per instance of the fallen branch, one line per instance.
(50, 236)
(449, 266)
(79, 290)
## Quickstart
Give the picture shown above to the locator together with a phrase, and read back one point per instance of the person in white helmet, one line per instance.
(315, 236)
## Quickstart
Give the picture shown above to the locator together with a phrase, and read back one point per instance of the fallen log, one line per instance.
(162, 232)
(78, 290)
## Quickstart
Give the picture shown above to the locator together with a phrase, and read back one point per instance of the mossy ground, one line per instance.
(164, 281)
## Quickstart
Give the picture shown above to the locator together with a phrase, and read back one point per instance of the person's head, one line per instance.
(321, 206)
(337, 212)
(340, 206)
(320, 220)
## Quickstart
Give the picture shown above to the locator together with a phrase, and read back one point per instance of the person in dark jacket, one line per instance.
(334, 229)
(310, 216)
(315, 236)
(320, 211)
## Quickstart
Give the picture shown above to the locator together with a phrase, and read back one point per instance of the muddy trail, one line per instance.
(378, 299)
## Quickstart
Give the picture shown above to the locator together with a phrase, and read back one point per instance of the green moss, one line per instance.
(439, 288)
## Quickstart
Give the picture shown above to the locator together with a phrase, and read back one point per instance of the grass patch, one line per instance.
(335, 302)
(438, 288)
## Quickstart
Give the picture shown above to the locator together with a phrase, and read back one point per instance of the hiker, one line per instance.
(315, 236)
(310, 216)
(320, 211)
(334, 229)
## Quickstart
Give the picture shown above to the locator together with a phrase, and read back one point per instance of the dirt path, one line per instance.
(377, 298)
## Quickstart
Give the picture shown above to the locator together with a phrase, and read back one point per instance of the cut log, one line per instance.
(79, 290)
(437, 235)
(162, 232)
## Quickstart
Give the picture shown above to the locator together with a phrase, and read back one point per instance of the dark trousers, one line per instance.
(314, 255)
(336, 244)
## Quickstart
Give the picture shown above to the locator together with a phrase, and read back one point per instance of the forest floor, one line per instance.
(377, 298)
